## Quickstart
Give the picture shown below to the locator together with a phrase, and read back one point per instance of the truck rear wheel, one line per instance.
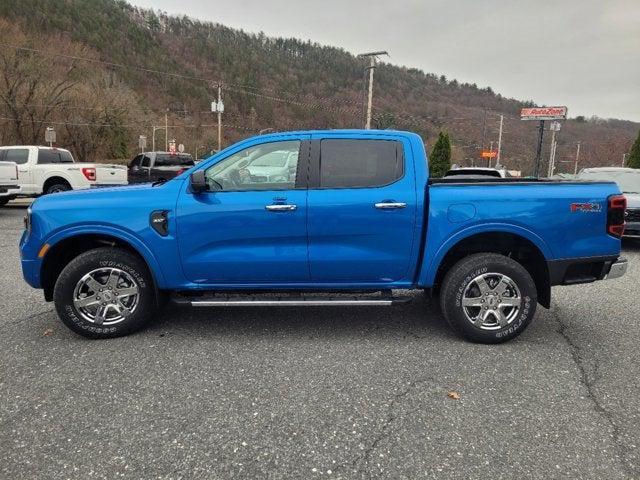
(57, 188)
(488, 298)
(104, 293)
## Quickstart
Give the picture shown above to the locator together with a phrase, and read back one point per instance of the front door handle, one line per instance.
(280, 208)
(390, 205)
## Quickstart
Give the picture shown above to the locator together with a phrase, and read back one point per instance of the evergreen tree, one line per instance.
(633, 160)
(440, 158)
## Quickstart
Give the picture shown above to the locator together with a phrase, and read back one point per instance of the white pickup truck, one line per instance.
(44, 170)
(8, 181)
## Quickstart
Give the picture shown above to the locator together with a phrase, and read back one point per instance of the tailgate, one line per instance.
(8, 172)
(111, 175)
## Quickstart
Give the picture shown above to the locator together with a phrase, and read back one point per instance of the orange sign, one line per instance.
(489, 154)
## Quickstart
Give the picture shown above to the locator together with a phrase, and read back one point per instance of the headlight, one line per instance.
(27, 220)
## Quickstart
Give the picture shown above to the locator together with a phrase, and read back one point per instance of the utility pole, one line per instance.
(372, 65)
(499, 141)
(166, 130)
(218, 107)
(575, 170)
(491, 150)
(624, 156)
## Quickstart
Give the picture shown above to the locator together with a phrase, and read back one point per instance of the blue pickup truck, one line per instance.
(353, 220)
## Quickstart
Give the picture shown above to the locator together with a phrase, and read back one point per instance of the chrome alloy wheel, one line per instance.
(106, 296)
(491, 301)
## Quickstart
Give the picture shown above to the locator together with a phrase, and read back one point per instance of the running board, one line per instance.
(287, 301)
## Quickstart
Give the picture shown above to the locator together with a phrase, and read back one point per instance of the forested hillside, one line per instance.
(104, 72)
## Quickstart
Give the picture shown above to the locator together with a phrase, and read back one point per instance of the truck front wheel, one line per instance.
(488, 298)
(104, 293)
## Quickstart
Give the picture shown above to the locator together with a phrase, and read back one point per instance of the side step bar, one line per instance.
(286, 301)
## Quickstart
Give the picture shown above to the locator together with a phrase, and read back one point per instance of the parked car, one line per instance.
(9, 187)
(628, 179)
(44, 170)
(471, 172)
(155, 166)
(360, 217)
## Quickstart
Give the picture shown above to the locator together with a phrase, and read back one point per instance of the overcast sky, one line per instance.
(581, 53)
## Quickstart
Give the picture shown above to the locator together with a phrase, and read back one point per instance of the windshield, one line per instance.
(629, 182)
(168, 160)
(273, 159)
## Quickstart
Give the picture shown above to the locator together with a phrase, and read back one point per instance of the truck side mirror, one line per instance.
(198, 182)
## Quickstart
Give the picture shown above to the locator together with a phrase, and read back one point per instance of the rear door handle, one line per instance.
(280, 208)
(390, 205)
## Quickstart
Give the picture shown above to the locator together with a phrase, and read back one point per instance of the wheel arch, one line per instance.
(53, 179)
(526, 250)
(65, 246)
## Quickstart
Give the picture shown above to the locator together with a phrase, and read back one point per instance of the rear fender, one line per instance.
(431, 262)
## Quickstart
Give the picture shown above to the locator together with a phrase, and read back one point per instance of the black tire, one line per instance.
(4, 201)
(105, 258)
(57, 188)
(459, 281)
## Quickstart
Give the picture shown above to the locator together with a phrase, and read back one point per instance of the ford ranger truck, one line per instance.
(358, 221)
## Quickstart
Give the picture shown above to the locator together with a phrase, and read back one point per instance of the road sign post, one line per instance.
(50, 136)
(142, 143)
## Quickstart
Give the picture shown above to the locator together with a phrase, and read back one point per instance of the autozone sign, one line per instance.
(543, 113)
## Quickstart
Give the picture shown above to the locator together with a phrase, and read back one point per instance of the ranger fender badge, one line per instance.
(586, 207)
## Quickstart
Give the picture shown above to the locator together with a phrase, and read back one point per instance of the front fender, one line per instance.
(118, 233)
(431, 262)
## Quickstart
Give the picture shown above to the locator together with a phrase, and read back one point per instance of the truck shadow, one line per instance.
(632, 245)
(419, 318)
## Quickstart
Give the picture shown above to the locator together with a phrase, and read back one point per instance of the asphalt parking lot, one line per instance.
(320, 392)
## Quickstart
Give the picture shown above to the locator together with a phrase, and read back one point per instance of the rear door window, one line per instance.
(46, 156)
(17, 155)
(168, 160)
(360, 163)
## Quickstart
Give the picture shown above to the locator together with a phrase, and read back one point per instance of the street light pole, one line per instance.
(153, 137)
(372, 65)
(575, 170)
(500, 140)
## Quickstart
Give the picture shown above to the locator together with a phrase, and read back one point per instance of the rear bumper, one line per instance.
(585, 269)
(9, 190)
(618, 269)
